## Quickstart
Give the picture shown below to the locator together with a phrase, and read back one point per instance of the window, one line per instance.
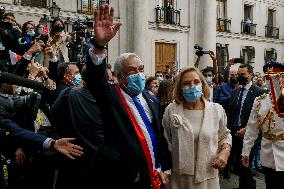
(270, 54)
(169, 3)
(222, 23)
(248, 13)
(221, 8)
(89, 6)
(222, 52)
(248, 54)
(271, 18)
(38, 3)
(165, 12)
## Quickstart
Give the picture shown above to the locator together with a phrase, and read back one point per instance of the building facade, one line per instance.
(163, 32)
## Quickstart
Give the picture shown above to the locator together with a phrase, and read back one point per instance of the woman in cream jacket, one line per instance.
(197, 135)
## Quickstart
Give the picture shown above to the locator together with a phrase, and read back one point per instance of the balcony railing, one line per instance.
(248, 28)
(90, 7)
(167, 15)
(31, 3)
(223, 25)
(272, 32)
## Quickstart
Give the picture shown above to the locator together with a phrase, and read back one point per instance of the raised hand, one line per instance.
(213, 56)
(104, 28)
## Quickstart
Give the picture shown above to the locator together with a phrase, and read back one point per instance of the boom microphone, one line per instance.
(12, 79)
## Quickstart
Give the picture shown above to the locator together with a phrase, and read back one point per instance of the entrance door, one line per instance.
(165, 56)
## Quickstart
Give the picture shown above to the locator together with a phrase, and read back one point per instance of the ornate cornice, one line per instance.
(248, 37)
(41, 11)
(269, 2)
(168, 27)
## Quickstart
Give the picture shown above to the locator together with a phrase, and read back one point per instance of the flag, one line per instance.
(14, 57)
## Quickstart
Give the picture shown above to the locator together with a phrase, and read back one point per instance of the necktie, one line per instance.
(239, 105)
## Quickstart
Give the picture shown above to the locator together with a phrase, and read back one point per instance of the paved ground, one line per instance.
(234, 181)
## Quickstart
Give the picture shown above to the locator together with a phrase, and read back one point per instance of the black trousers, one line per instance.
(273, 179)
(246, 180)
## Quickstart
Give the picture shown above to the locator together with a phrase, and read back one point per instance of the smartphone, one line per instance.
(238, 60)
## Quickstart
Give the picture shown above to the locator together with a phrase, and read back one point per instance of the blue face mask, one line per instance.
(136, 84)
(192, 94)
(78, 79)
(31, 33)
(40, 31)
(209, 80)
(160, 79)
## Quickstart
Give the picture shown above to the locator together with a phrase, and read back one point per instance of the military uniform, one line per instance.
(263, 117)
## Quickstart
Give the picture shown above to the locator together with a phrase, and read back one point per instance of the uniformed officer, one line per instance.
(267, 116)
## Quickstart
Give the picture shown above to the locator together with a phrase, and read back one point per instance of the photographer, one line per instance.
(9, 35)
(210, 73)
(42, 34)
(81, 42)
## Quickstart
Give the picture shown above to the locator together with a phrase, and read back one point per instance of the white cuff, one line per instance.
(45, 143)
(169, 172)
(97, 60)
(53, 59)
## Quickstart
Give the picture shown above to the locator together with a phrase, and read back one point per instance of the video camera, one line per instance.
(9, 104)
(79, 28)
(199, 50)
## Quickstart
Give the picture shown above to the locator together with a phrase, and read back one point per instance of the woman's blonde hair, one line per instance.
(178, 96)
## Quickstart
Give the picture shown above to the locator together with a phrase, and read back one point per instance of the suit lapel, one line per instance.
(152, 105)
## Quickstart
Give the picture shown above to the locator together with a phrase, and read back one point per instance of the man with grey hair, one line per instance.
(132, 124)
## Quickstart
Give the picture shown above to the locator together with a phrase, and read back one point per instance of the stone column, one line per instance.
(140, 23)
(206, 29)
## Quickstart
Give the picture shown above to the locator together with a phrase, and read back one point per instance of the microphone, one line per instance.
(12, 79)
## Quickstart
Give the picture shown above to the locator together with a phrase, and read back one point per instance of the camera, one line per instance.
(79, 28)
(9, 104)
(199, 50)
(43, 38)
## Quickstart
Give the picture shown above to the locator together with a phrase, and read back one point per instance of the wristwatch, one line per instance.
(98, 46)
(27, 57)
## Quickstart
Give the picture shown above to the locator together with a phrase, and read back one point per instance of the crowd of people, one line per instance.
(85, 124)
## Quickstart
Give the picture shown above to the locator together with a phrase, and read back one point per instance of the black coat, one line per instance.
(119, 130)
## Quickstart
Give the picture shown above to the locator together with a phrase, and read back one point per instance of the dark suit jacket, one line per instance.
(16, 131)
(254, 91)
(119, 130)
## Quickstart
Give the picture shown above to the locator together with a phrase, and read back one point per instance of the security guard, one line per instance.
(267, 116)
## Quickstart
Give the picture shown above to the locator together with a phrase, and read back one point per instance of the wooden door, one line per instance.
(165, 55)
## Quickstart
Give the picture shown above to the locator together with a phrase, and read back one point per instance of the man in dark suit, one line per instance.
(10, 130)
(131, 117)
(238, 115)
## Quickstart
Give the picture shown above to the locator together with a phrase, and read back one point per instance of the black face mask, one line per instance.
(233, 80)
(58, 28)
(242, 80)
